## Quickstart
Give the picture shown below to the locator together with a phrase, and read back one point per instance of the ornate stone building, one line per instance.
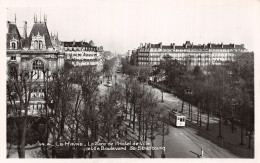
(201, 55)
(35, 54)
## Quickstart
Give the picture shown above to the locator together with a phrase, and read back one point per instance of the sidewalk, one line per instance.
(134, 137)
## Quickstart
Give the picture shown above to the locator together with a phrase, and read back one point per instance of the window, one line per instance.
(13, 45)
(13, 71)
(38, 69)
(40, 45)
(35, 44)
(13, 58)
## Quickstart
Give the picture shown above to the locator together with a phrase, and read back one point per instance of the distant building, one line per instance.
(35, 54)
(201, 55)
(133, 57)
(81, 53)
(55, 41)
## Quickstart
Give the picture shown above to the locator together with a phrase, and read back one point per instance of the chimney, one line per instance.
(242, 45)
(160, 44)
(8, 26)
(173, 45)
(25, 30)
(141, 45)
(222, 45)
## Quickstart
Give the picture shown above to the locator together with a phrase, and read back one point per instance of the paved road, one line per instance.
(184, 142)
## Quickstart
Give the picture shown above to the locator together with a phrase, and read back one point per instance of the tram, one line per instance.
(178, 119)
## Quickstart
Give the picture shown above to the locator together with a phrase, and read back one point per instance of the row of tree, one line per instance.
(108, 65)
(75, 111)
(225, 90)
(142, 111)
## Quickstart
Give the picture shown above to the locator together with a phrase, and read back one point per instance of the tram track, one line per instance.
(197, 140)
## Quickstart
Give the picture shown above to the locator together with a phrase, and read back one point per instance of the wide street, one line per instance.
(180, 142)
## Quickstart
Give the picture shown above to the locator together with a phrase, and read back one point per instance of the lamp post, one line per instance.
(249, 139)
(234, 103)
(163, 155)
(162, 96)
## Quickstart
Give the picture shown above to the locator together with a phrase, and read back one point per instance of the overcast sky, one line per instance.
(122, 25)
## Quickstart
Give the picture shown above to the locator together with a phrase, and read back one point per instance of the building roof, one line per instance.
(41, 29)
(189, 45)
(155, 45)
(167, 47)
(13, 33)
(76, 44)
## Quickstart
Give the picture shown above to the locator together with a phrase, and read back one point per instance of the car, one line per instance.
(109, 84)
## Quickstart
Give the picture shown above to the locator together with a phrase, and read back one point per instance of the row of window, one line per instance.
(80, 48)
(36, 106)
(78, 60)
(192, 63)
(187, 54)
(38, 45)
(192, 50)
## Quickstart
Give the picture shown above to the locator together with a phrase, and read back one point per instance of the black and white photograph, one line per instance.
(139, 79)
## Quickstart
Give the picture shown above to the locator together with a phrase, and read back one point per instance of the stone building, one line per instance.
(81, 53)
(201, 55)
(34, 53)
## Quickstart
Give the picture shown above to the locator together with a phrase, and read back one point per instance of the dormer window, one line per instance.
(35, 44)
(40, 45)
(13, 45)
(38, 42)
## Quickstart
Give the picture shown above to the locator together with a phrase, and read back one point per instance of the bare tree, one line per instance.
(19, 88)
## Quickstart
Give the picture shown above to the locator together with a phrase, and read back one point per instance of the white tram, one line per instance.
(178, 119)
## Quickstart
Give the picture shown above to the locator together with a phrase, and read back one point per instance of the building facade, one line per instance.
(81, 53)
(35, 54)
(201, 55)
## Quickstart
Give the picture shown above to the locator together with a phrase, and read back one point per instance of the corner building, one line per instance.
(81, 53)
(201, 55)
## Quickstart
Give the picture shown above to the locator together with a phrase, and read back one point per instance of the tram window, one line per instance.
(181, 119)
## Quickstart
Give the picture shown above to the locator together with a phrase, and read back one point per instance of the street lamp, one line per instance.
(234, 103)
(162, 95)
(249, 139)
(163, 155)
